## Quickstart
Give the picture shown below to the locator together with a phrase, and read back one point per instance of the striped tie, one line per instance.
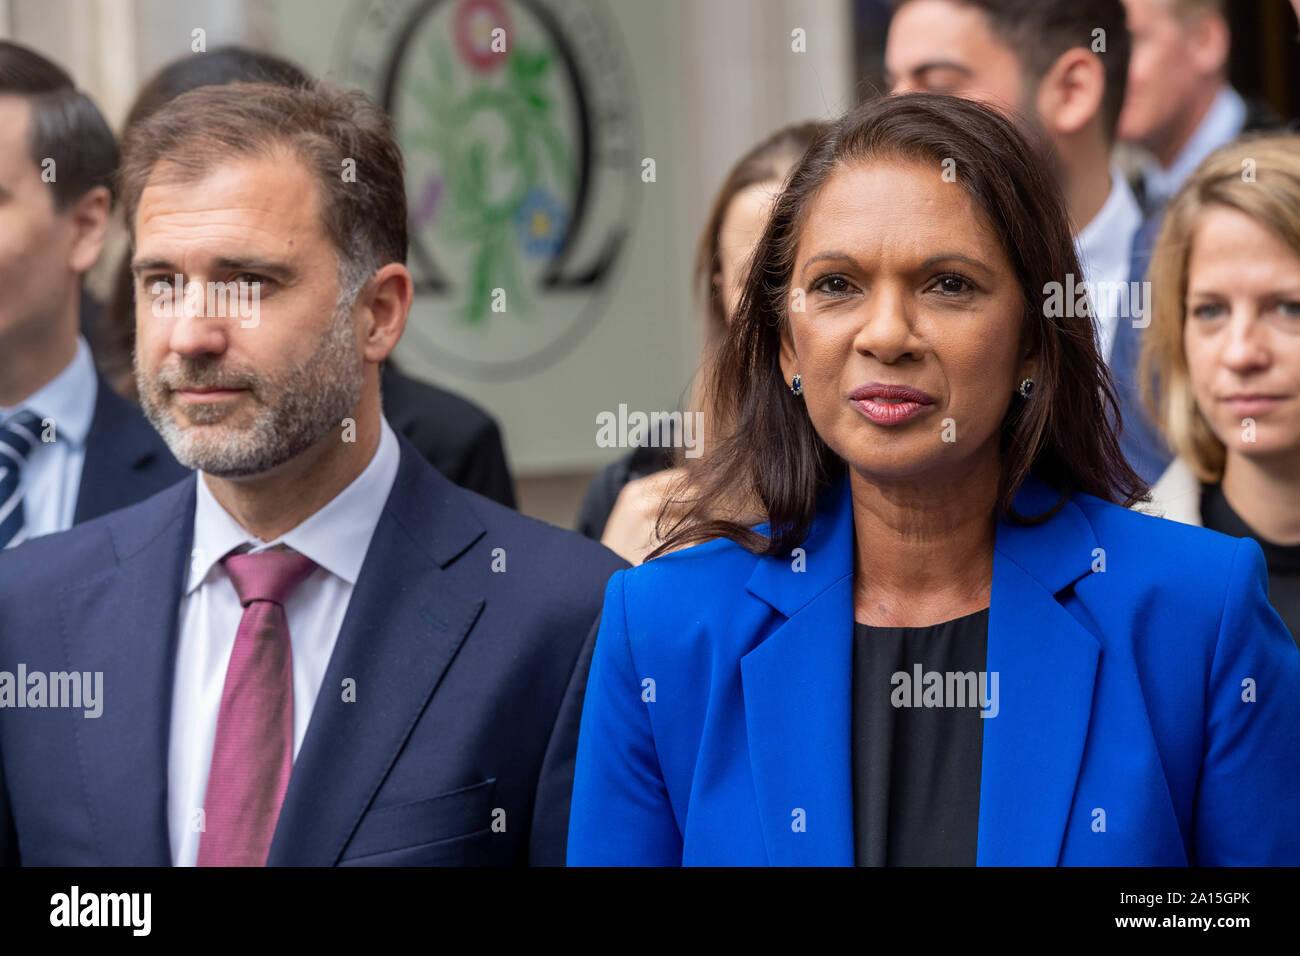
(18, 437)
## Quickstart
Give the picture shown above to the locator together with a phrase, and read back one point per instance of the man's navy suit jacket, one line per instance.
(126, 460)
(467, 641)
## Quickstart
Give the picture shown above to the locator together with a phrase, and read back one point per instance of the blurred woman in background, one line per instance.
(1221, 365)
(622, 503)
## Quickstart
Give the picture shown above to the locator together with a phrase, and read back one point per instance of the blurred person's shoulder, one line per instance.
(90, 550)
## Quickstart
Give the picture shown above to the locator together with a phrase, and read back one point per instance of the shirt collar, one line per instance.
(68, 399)
(1223, 121)
(336, 537)
(1105, 244)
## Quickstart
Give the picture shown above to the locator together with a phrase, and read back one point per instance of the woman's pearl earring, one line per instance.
(1026, 387)
(796, 384)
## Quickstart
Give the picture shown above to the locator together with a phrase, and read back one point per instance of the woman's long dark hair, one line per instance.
(772, 458)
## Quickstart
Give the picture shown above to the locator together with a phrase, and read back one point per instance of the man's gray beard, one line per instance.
(294, 411)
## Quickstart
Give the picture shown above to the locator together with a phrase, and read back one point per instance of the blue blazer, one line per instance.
(468, 636)
(1122, 736)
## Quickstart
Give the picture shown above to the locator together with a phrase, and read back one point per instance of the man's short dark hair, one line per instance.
(65, 125)
(1039, 31)
(224, 64)
(331, 131)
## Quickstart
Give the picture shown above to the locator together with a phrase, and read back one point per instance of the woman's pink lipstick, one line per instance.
(1246, 404)
(889, 404)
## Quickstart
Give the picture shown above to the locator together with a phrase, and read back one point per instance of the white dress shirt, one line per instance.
(1222, 123)
(336, 537)
(51, 477)
(1105, 248)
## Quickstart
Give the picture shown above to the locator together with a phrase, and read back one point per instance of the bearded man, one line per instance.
(316, 651)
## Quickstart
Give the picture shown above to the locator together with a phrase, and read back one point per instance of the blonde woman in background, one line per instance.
(1221, 362)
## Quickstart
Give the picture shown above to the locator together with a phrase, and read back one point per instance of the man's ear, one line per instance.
(1071, 93)
(385, 303)
(88, 217)
(1210, 41)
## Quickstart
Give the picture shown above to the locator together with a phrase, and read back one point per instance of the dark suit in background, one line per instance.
(126, 460)
(454, 435)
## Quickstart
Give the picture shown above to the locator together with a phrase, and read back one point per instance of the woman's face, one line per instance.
(742, 227)
(1242, 333)
(908, 343)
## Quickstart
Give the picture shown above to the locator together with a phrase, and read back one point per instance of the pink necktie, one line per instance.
(253, 751)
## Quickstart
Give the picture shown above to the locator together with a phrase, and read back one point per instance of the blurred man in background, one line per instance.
(1059, 68)
(1179, 106)
(70, 449)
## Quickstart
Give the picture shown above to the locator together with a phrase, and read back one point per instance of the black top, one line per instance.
(918, 741)
(1283, 560)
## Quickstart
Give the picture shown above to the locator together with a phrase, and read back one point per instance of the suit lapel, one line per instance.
(133, 605)
(798, 695)
(1046, 663)
(404, 624)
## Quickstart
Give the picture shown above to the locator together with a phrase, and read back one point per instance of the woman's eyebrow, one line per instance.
(954, 257)
(928, 263)
(824, 256)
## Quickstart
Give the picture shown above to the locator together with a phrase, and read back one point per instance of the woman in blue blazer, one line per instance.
(916, 623)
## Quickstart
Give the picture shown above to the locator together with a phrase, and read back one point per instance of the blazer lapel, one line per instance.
(798, 696)
(404, 625)
(1046, 663)
(133, 604)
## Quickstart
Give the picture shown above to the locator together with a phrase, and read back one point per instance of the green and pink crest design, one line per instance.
(514, 123)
